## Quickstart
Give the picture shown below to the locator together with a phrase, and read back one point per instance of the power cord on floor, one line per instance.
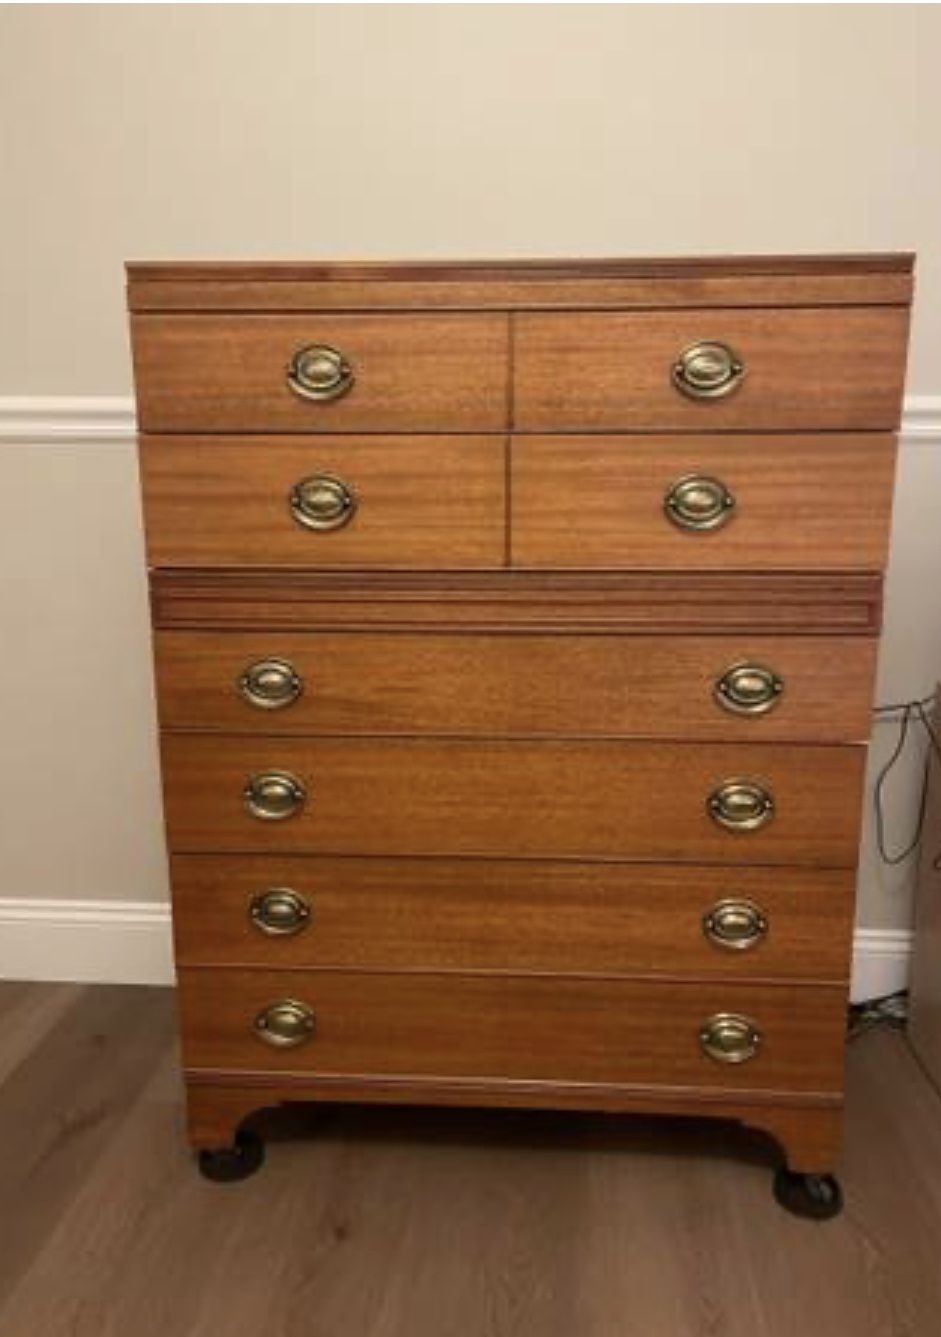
(889, 1011)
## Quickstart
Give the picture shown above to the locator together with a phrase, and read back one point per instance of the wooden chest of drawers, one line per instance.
(515, 628)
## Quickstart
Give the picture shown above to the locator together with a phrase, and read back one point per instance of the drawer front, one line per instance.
(577, 799)
(802, 369)
(763, 503)
(592, 919)
(817, 689)
(380, 501)
(403, 373)
(530, 1029)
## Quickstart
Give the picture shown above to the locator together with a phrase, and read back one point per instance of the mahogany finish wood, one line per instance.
(420, 501)
(814, 503)
(579, 800)
(469, 285)
(681, 602)
(505, 845)
(516, 684)
(558, 1029)
(810, 370)
(433, 373)
(476, 916)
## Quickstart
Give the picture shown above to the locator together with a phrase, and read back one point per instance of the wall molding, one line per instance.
(55, 420)
(129, 942)
(881, 962)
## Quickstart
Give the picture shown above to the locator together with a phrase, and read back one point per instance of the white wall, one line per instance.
(329, 131)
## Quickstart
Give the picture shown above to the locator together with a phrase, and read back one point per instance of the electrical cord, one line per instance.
(908, 711)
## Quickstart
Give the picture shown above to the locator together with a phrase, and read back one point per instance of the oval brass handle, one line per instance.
(320, 373)
(707, 370)
(748, 689)
(270, 684)
(321, 501)
(279, 912)
(729, 1037)
(740, 805)
(699, 502)
(285, 1024)
(735, 924)
(273, 796)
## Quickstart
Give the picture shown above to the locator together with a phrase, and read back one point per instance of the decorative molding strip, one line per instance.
(90, 942)
(921, 420)
(881, 960)
(129, 942)
(53, 420)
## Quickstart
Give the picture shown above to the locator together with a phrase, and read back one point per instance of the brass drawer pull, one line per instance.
(270, 684)
(322, 502)
(279, 912)
(707, 370)
(729, 1037)
(285, 1024)
(699, 503)
(320, 373)
(737, 925)
(740, 805)
(273, 796)
(748, 689)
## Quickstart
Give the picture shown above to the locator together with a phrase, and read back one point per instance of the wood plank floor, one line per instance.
(401, 1223)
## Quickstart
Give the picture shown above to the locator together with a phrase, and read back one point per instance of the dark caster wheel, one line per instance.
(817, 1197)
(227, 1165)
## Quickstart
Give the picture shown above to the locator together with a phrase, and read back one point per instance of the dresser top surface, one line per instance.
(198, 286)
(476, 271)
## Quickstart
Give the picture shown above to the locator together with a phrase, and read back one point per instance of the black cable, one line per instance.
(908, 710)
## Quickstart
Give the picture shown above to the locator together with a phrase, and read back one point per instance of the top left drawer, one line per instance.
(327, 373)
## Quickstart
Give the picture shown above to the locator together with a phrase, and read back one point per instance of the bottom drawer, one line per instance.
(544, 1029)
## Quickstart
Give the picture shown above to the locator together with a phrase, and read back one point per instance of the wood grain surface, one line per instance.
(727, 281)
(515, 799)
(670, 603)
(481, 915)
(412, 372)
(420, 501)
(516, 684)
(801, 502)
(805, 370)
(536, 1029)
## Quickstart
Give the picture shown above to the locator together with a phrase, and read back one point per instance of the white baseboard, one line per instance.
(88, 942)
(881, 961)
(128, 942)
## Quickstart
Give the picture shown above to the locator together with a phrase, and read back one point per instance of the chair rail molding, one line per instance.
(52, 420)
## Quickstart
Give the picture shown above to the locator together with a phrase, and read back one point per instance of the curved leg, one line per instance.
(226, 1151)
(810, 1140)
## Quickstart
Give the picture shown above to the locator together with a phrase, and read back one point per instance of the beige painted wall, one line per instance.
(394, 130)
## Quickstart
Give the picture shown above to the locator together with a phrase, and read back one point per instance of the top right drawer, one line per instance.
(716, 369)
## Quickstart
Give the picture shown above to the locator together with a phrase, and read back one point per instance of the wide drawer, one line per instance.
(755, 502)
(800, 369)
(814, 688)
(478, 915)
(334, 501)
(520, 799)
(392, 373)
(611, 1032)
